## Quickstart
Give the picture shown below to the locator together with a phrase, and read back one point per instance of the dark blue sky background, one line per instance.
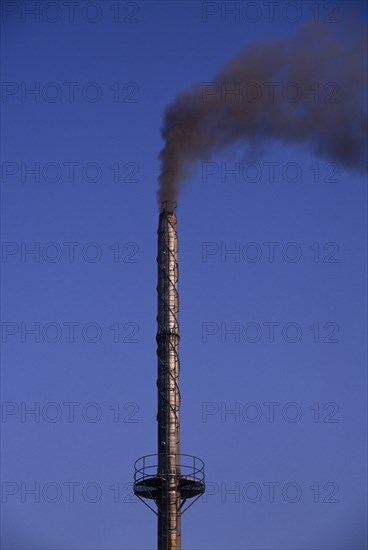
(317, 462)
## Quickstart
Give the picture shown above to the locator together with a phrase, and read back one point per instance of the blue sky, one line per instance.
(89, 212)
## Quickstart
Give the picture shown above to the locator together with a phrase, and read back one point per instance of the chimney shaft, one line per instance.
(168, 384)
(168, 478)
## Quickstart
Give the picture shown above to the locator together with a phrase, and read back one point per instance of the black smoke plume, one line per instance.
(309, 89)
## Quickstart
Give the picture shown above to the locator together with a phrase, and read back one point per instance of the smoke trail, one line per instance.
(308, 89)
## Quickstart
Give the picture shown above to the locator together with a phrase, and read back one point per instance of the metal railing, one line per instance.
(191, 467)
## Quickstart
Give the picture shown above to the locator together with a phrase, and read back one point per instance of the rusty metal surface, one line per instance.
(169, 532)
(168, 479)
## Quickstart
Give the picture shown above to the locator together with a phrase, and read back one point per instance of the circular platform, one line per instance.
(148, 483)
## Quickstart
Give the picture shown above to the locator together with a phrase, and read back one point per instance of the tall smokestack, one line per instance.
(168, 382)
(169, 478)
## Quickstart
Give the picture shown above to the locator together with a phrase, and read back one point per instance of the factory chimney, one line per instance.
(168, 478)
